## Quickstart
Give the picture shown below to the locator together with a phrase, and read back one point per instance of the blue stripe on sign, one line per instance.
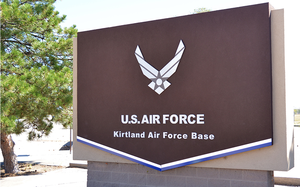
(180, 163)
(119, 153)
(218, 155)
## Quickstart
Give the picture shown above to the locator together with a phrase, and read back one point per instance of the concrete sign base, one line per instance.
(117, 174)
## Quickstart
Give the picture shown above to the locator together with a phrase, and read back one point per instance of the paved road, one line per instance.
(69, 177)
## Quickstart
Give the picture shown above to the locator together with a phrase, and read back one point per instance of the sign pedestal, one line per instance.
(119, 174)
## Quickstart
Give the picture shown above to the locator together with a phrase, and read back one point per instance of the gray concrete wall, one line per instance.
(122, 174)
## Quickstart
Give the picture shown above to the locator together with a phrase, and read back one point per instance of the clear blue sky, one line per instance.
(96, 14)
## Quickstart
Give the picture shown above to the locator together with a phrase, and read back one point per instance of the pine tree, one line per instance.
(36, 72)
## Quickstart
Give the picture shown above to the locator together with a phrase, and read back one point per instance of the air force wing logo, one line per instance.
(159, 78)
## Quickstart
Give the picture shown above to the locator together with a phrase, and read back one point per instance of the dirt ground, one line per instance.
(30, 169)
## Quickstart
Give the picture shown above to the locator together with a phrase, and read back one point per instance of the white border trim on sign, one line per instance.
(180, 163)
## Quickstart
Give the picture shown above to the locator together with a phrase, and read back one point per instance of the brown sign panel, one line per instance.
(178, 91)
